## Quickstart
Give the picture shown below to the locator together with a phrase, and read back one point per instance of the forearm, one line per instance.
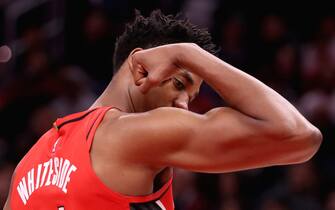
(242, 91)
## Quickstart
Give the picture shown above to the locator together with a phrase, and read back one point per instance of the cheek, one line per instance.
(169, 91)
(163, 95)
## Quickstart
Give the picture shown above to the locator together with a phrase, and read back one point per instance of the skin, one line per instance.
(134, 150)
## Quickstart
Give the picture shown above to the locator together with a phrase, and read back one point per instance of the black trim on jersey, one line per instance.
(150, 205)
(145, 206)
(75, 119)
(89, 131)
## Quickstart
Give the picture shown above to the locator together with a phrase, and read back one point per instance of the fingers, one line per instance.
(150, 67)
(139, 74)
(148, 82)
(137, 70)
(144, 78)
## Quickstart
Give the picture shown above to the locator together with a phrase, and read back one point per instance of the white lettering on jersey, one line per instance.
(56, 164)
(48, 182)
(22, 190)
(60, 168)
(160, 204)
(45, 165)
(64, 169)
(55, 172)
(31, 181)
(39, 167)
(67, 177)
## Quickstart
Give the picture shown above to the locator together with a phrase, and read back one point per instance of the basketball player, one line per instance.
(119, 154)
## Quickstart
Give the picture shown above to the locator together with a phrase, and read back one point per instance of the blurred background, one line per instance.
(61, 60)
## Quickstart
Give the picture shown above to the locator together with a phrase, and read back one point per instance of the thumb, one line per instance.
(147, 83)
(144, 86)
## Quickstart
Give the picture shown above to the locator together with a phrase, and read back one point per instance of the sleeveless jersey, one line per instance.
(56, 174)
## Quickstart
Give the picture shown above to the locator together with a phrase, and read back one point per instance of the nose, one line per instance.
(182, 101)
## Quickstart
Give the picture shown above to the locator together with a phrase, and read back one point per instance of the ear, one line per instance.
(136, 69)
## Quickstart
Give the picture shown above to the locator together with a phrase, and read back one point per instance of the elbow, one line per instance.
(313, 140)
(305, 142)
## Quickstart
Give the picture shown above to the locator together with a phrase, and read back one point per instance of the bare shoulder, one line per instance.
(169, 121)
(163, 117)
(159, 114)
(160, 130)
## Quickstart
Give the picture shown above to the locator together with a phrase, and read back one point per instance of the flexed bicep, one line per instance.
(222, 140)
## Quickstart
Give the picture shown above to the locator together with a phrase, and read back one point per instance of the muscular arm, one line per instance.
(260, 129)
(242, 91)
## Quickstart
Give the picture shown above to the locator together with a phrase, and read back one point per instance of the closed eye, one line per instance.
(179, 85)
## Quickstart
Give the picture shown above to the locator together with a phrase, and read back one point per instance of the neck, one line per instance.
(117, 95)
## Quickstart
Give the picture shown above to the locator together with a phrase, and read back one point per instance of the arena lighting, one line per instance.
(5, 54)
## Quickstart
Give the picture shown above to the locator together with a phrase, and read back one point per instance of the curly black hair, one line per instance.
(159, 29)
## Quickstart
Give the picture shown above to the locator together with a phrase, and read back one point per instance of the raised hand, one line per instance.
(152, 66)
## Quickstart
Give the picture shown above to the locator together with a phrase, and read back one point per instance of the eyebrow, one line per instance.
(187, 76)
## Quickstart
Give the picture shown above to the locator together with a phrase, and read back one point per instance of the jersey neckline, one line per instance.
(117, 195)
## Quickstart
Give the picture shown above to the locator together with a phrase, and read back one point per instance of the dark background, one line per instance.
(62, 60)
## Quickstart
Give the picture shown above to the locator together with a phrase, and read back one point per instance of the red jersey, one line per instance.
(57, 173)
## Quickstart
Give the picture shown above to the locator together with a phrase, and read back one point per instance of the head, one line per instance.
(155, 30)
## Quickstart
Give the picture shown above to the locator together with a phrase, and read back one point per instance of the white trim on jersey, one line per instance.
(159, 203)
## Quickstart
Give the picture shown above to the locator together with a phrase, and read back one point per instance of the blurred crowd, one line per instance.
(62, 60)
